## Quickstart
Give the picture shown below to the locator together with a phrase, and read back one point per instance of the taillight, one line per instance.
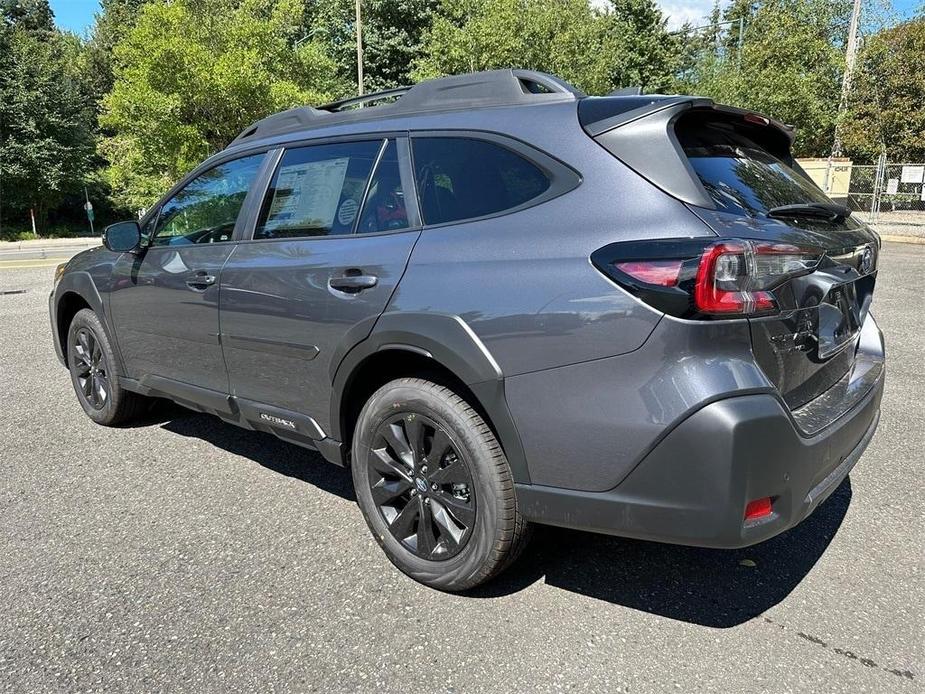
(661, 272)
(736, 276)
(702, 278)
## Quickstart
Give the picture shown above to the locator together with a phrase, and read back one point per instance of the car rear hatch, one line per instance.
(806, 267)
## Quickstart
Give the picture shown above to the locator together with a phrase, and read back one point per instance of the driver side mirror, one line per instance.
(123, 237)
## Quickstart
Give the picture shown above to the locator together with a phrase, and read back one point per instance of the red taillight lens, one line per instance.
(759, 508)
(734, 276)
(701, 278)
(662, 273)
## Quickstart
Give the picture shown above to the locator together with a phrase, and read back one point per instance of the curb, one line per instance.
(40, 244)
(50, 249)
(895, 238)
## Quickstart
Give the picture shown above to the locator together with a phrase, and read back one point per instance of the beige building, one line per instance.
(832, 175)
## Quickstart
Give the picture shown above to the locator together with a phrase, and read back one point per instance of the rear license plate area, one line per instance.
(839, 319)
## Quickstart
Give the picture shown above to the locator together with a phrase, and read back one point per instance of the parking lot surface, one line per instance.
(187, 554)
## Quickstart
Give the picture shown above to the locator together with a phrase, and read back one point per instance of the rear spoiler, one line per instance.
(639, 131)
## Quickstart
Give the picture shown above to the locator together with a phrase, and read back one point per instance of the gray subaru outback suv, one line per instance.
(500, 302)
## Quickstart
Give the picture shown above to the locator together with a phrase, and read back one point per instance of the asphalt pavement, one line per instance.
(37, 253)
(185, 554)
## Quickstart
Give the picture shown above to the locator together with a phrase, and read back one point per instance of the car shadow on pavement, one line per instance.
(716, 588)
(266, 450)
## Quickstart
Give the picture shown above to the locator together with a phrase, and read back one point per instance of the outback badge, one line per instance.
(273, 419)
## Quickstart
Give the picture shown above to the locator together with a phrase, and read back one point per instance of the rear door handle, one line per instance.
(200, 281)
(353, 283)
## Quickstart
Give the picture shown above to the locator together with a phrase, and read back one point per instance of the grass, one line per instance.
(59, 231)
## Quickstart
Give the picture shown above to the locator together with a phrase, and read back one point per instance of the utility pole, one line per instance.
(740, 42)
(88, 208)
(359, 50)
(851, 55)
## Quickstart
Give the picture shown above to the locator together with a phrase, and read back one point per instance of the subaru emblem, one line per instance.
(866, 265)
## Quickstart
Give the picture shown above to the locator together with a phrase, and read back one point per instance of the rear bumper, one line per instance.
(692, 488)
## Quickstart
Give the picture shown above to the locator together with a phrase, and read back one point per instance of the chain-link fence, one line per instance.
(889, 196)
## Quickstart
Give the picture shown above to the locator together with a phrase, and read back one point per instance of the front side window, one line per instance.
(205, 209)
(317, 190)
(464, 178)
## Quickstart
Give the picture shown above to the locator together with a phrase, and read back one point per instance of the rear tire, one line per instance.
(91, 362)
(434, 486)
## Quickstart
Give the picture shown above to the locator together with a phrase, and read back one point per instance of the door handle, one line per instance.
(353, 283)
(200, 281)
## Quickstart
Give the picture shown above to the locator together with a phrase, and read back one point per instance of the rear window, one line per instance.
(743, 166)
(464, 178)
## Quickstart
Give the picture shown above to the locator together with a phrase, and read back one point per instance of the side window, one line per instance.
(317, 190)
(205, 209)
(463, 178)
(384, 209)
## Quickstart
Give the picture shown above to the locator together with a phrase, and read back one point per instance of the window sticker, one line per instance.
(347, 212)
(307, 194)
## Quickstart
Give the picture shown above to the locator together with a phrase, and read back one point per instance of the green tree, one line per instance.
(637, 49)
(392, 34)
(115, 19)
(46, 141)
(29, 15)
(191, 74)
(790, 68)
(597, 50)
(885, 111)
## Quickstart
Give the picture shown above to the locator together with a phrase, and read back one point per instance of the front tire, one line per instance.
(434, 486)
(91, 362)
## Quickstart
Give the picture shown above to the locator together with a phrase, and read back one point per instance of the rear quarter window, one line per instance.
(462, 178)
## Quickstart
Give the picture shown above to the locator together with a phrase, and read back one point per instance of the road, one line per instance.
(186, 554)
(39, 253)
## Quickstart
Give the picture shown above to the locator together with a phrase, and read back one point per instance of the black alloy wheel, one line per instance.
(95, 375)
(434, 485)
(91, 369)
(421, 484)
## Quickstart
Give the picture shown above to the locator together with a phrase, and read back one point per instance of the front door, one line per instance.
(330, 244)
(164, 300)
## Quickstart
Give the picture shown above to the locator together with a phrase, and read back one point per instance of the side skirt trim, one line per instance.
(293, 427)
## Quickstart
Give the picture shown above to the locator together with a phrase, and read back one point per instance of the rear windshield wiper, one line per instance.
(831, 211)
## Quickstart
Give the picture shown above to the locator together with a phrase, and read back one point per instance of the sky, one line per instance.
(77, 15)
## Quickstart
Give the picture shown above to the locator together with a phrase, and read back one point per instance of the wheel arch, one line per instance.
(77, 291)
(439, 347)
(68, 305)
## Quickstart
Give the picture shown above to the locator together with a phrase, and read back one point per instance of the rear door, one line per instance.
(331, 241)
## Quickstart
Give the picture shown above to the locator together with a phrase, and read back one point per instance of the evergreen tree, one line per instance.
(885, 111)
(46, 141)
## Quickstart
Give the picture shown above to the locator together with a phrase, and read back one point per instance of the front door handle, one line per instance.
(353, 283)
(200, 281)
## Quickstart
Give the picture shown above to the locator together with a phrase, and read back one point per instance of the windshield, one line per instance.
(741, 175)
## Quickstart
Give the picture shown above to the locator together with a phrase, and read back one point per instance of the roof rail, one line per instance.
(626, 91)
(286, 121)
(476, 89)
(359, 101)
